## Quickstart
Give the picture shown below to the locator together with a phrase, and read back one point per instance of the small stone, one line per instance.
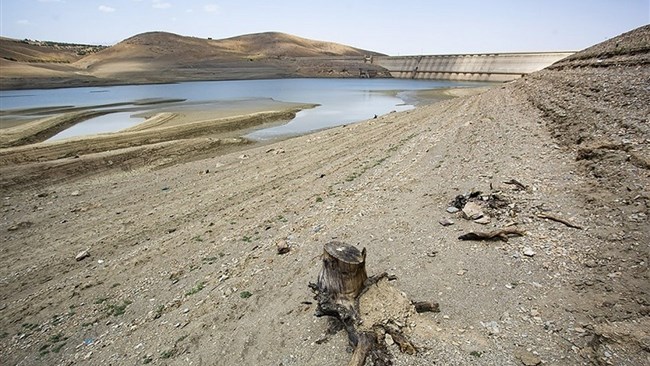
(472, 211)
(389, 340)
(186, 310)
(282, 246)
(529, 252)
(75, 193)
(87, 356)
(492, 327)
(446, 222)
(483, 220)
(528, 358)
(20, 225)
(82, 255)
(452, 209)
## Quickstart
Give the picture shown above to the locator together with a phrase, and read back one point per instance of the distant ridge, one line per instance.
(169, 47)
(158, 57)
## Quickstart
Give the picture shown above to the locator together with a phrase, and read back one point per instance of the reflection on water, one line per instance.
(102, 124)
(342, 101)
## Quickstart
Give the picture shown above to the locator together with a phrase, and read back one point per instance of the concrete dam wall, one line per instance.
(475, 67)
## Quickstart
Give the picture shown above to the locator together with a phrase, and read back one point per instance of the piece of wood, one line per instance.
(517, 184)
(404, 344)
(502, 234)
(426, 306)
(343, 273)
(364, 344)
(558, 219)
(341, 286)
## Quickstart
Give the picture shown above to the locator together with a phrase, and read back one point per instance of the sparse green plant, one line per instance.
(319, 199)
(199, 286)
(30, 326)
(476, 353)
(198, 238)
(247, 239)
(159, 310)
(117, 310)
(168, 353)
(56, 338)
(100, 300)
(58, 348)
(210, 260)
(245, 294)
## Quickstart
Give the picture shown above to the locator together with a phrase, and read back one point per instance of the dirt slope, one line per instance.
(157, 57)
(183, 267)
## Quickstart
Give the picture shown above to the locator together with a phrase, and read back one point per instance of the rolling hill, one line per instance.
(156, 57)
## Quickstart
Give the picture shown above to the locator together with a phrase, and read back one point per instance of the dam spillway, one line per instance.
(470, 67)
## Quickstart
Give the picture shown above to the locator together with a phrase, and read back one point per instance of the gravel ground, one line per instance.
(183, 268)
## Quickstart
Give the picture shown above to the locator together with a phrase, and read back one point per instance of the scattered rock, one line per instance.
(483, 220)
(492, 327)
(389, 340)
(452, 209)
(529, 252)
(282, 246)
(528, 358)
(75, 193)
(472, 211)
(445, 221)
(82, 255)
(20, 225)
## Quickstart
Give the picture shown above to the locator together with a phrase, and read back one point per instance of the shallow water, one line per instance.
(342, 101)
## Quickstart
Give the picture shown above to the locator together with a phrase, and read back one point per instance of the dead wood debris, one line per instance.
(426, 306)
(559, 219)
(501, 234)
(519, 186)
(341, 285)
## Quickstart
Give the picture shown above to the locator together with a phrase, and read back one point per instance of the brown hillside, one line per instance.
(163, 47)
(43, 51)
(158, 57)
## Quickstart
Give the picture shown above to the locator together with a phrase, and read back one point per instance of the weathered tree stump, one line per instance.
(343, 273)
(340, 289)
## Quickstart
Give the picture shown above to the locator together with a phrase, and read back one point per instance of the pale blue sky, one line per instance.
(396, 27)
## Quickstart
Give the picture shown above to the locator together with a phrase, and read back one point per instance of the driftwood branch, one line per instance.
(558, 219)
(517, 184)
(501, 234)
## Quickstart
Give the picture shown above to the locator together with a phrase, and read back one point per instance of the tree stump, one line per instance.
(339, 290)
(343, 273)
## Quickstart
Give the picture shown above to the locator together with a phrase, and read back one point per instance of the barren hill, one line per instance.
(166, 57)
(44, 51)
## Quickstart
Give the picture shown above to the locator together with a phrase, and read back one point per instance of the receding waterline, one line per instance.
(341, 101)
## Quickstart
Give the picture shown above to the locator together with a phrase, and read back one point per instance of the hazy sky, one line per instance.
(395, 27)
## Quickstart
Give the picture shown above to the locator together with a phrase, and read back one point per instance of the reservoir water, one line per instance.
(341, 101)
